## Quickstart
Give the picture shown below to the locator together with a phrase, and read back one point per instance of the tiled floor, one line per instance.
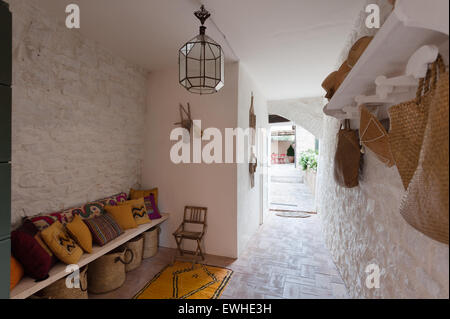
(286, 258)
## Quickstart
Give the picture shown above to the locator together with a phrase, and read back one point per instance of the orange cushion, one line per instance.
(16, 273)
(136, 194)
(123, 215)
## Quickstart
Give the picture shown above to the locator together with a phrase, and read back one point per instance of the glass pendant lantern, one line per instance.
(201, 61)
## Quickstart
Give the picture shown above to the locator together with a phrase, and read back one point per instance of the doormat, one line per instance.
(184, 281)
(292, 214)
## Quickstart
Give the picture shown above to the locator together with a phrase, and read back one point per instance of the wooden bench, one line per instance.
(28, 286)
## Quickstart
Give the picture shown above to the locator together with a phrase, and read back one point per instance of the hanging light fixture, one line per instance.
(201, 61)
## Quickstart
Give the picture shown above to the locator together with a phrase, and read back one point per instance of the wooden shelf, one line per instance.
(389, 52)
(28, 286)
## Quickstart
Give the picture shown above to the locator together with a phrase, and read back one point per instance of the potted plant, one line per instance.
(290, 154)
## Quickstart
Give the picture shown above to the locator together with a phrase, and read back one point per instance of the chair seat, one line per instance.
(188, 234)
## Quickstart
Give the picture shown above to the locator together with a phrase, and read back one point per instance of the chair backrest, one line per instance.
(195, 215)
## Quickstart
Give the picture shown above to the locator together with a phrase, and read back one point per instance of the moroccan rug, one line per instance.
(182, 281)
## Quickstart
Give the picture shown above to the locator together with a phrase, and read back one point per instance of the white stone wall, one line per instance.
(77, 119)
(363, 225)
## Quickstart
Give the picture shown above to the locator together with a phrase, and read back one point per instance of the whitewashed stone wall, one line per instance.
(363, 225)
(78, 113)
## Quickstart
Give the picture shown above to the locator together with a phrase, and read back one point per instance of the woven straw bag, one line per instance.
(107, 273)
(136, 245)
(425, 205)
(151, 242)
(408, 122)
(59, 290)
(347, 157)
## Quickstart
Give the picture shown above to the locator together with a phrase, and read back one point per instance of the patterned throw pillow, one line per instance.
(139, 210)
(152, 207)
(136, 194)
(103, 229)
(61, 244)
(42, 221)
(114, 200)
(93, 209)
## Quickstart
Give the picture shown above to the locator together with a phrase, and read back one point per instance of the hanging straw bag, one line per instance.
(347, 157)
(136, 245)
(408, 122)
(425, 205)
(107, 273)
(59, 289)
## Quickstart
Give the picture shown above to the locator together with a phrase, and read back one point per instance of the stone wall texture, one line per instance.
(363, 226)
(77, 117)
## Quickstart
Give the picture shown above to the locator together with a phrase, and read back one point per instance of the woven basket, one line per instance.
(151, 242)
(425, 205)
(107, 273)
(136, 245)
(408, 122)
(59, 290)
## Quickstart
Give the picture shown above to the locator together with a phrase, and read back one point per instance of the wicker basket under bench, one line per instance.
(28, 286)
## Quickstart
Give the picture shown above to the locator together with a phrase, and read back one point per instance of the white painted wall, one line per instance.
(209, 185)
(249, 204)
(77, 117)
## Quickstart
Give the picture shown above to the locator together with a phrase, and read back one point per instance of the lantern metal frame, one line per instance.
(205, 81)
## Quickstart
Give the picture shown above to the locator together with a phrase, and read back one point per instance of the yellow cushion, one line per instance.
(61, 244)
(139, 210)
(136, 194)
(122, 215)
(78, 230)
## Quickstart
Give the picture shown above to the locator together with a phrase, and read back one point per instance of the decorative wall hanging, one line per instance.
(201, 61)
(253, 162)
(252, 123)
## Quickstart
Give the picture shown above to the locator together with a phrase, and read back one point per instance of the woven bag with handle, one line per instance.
(425, 206)
(347, 157)
(408, 122)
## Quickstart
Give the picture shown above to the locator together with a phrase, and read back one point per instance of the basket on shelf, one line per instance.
(107, 273)
(151, 242)
(59, 289)
(136, 245)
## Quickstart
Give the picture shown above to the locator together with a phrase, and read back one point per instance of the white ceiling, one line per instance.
(288, 46)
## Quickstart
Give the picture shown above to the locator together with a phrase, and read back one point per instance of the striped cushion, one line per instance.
(103, 228)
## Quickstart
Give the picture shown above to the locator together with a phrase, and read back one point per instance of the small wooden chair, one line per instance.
(192, 215)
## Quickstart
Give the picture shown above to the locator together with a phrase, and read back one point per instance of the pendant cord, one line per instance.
(221, 33)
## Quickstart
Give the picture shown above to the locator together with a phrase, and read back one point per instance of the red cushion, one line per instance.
(36, 261)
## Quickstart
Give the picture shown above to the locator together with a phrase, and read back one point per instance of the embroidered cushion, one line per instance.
(123, 215)
(152, 208)
(61, 244)
(103, 228)
(80, 233)
(28, 248)
(139, 210)
(114, 200)
(42, 221)
(136, 194)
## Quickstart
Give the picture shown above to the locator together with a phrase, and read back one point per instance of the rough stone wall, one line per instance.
(77, 119)
(363, 226)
